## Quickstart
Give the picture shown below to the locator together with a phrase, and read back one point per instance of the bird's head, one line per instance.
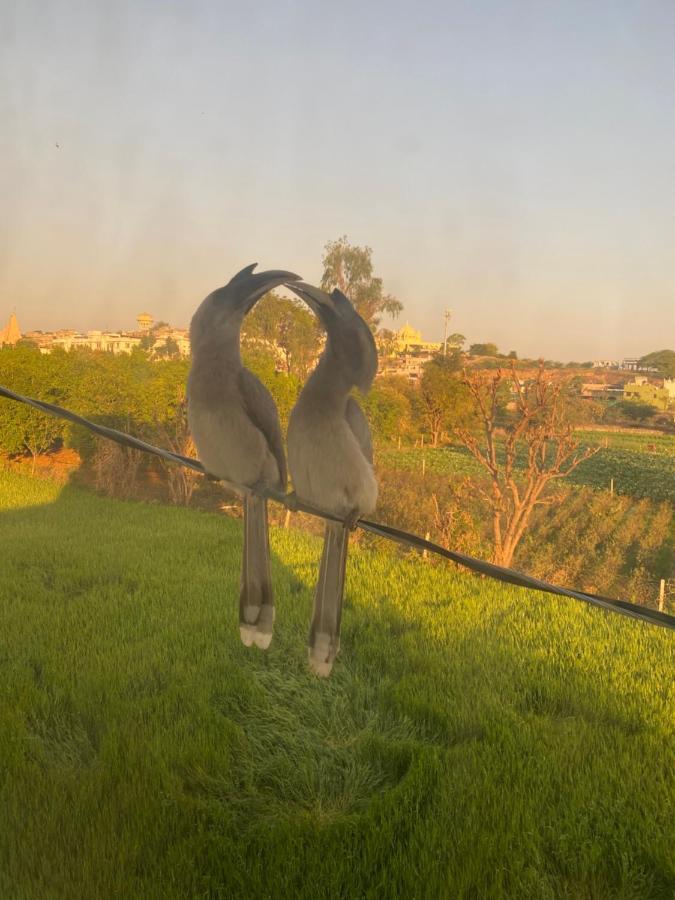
(223, 311)
(350, 341)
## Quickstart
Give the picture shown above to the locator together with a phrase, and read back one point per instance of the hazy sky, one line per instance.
(514, 161)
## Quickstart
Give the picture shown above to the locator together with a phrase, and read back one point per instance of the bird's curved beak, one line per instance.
(318, 301)
(255, 286)
(246, 288)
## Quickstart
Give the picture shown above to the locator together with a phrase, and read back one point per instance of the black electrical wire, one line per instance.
(509, 576)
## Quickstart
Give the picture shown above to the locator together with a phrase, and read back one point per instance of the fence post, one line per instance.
(611, 485)
(424, 465)
(662, 594)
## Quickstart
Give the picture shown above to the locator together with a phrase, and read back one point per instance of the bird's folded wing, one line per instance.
(262, 411)
(358, 423)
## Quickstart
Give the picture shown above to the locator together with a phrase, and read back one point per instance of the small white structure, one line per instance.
(111, 342)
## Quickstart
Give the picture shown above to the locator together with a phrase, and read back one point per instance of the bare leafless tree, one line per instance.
(175, 435)
(524, 457)
(453, 521)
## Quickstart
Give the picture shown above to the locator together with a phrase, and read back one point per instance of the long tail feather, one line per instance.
(324, 635)
(256, 598)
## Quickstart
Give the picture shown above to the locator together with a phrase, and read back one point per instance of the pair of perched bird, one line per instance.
(235, 427)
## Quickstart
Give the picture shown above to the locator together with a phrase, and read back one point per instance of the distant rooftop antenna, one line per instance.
(446, 318)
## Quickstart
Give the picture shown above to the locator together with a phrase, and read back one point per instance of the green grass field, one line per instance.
(636, 470)
(474, 741)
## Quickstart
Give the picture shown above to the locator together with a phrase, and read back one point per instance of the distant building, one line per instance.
(145, 321)
(627, 364)
(405, 366)
(407, 354)
(110, 342)
(409, 340)
(154, 341)
(42, 340)
(11, 333)
(178, 335)
(662, 396)
(601, 391)
(633, 364)
(593, 390)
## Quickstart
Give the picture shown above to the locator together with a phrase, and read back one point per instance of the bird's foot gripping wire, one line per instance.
(257, 489)
(292, 502)
(352, 518)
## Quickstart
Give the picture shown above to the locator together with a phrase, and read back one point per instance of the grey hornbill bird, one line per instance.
(330, 454)
(235, 427)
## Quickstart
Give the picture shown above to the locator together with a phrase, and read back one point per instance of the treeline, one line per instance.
(133, 392)
(128, 392)
(568, 537)
(138, 395)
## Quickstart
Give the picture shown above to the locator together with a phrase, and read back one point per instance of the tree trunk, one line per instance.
(505, 556)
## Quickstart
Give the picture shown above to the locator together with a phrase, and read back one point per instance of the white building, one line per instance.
(110, 342)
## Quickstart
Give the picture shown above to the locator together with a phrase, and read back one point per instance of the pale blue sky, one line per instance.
(514, 161)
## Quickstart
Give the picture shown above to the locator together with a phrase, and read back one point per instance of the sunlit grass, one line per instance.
(18, 492)
(474, 740)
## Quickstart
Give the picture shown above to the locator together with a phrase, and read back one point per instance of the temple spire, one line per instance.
(11, 333)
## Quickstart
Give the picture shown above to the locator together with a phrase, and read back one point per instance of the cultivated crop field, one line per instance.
(636, 470)
(474, 741)
(636, 441)
(638, 474)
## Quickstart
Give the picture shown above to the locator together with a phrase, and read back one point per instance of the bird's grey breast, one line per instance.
(228, 443)
(327, 463)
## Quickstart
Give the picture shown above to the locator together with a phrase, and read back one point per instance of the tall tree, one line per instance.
(536, 450)
(287, 328)
(22, 428)
(387, 407)
(456, 340)
(443, 399)
(488, 349)
(386, 342)
(350, 269)
(168, 350)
